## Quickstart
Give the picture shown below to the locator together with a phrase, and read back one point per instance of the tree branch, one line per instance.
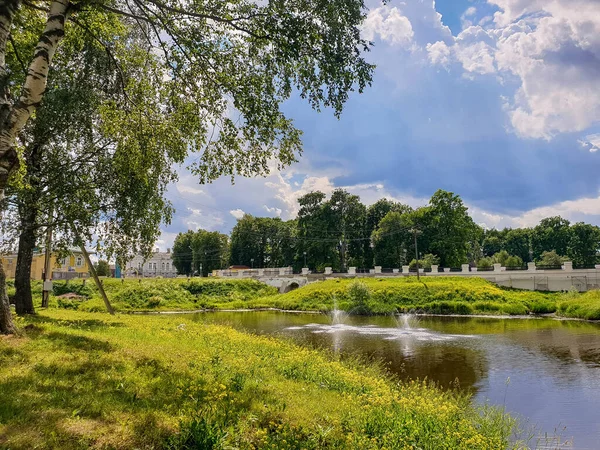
(14, 46)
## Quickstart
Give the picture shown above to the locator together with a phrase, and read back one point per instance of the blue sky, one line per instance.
(495, 100)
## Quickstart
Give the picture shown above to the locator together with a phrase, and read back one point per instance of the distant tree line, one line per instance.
(342, 232)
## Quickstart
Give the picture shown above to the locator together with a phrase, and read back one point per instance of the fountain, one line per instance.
(337, 316)
(407, 321)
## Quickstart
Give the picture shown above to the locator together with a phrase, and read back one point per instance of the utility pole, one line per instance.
(47, 259)
(415, 232)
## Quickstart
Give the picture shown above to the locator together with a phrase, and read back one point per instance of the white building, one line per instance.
(159, 264)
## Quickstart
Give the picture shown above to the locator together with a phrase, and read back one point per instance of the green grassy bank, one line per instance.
(441, 295)
(86, 380)
(175, 294)
(388, 295)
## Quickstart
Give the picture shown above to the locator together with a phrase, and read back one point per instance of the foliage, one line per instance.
(102, 268)
(449, 228)
(393, 241)
(516, 243)
(262, 242)
(501, 257)
(331, 230)
(584, 244)
(513, 261)
(581, 306)
(181, 384)
(438, 295)
(485, 263)
(425, 263)
(373, 222)
(182, 252)
(156, 294)
(552, 234)
(551, 259)
(359, 295)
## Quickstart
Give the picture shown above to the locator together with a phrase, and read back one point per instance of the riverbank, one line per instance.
(454, 295)
(80, 380)
(444, 295)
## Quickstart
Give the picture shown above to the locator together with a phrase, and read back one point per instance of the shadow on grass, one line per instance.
(80, 324)
(79, 389)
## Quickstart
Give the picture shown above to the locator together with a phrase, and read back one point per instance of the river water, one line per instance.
(545, 371)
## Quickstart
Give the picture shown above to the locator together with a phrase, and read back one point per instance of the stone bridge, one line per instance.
(285, 283)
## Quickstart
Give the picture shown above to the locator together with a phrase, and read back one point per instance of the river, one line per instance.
(547, 372)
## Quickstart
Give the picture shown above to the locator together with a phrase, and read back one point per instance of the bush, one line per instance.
(359, 295)
(102, 268)
(485, 263)
(425, 263)
(513, 261)
(552, 259)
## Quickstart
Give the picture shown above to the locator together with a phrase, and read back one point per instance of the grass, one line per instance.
(442, 295)
(581, 306)
(447, 295)
(151, 294)
(87, 380)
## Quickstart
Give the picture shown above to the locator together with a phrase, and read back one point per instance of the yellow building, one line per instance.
(73, 266)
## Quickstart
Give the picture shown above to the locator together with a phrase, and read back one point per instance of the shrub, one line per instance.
(485, 263)
(425, 263)
(513, 261)
(359, 294)
(551, 259)
(501, 257)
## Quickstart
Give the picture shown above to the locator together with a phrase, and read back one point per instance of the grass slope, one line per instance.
(150, 294)
(78, 380)
(581, 306)
(441, 295)
(447, 295)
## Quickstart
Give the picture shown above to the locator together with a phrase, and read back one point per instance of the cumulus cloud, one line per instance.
(439, 53)
(237, 213)
(551, 48)
(389, 24)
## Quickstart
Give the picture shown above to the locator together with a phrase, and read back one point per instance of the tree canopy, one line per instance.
(209, 78)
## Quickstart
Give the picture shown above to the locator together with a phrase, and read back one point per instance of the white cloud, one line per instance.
(237, 213)
(471, 10)
(274, 211)
(591, 142)
(389, 24)
(552, 48)
(439, 53)
(185, 189)
(221, 204)
(465, 20)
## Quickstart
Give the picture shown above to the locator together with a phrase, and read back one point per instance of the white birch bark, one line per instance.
(34, 87)
(14, 117)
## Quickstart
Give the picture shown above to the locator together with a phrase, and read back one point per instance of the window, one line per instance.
(79, 262)
(150, 266)
(163, 267)
(154, 266)
(168, 266)
(139, 265)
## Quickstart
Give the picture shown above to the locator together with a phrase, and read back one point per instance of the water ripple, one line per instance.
(419, 334)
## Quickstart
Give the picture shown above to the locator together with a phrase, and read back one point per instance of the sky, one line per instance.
(495, 100)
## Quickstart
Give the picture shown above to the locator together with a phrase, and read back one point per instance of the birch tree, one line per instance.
(220, 72)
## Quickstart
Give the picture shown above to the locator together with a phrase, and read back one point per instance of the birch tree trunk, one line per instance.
(14, 115)
(23, 297)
